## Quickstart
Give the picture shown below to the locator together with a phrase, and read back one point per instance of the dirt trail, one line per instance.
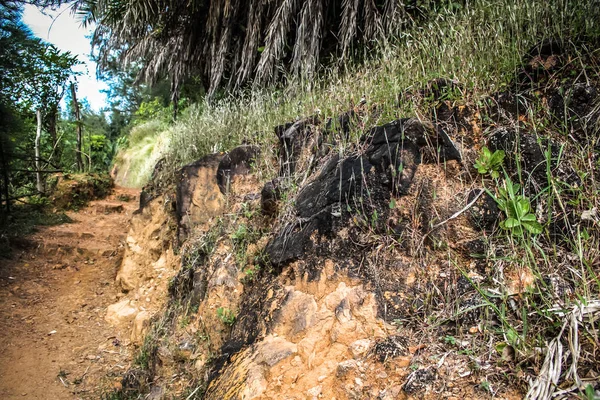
(53, 297)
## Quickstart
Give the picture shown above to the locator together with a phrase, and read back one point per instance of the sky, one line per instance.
(67, 34)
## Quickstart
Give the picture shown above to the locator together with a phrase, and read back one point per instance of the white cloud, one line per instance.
(67, 34)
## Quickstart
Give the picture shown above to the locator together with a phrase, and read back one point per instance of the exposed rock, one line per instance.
(344, 367)
(120, 313)
(362, 182)
(506, 106)
(390, 347)
(236, 162)
(159, 184)
(315, 391)
(469, 309)
(574, 107)
(391, 393)
(293, 140)
(531, 152)
(484, 213)
(149, 245)
(140, 326)
(297, 314)
(375, 237)
(127, 277)
(270, 195)
(359, 347)
(274, 349)
(342, 124)
(246, 377)
(540, 61)
(419, 379)
(199, 197)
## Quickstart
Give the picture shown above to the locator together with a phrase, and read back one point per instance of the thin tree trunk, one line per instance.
(51, 118)
(80, 165)
(38, 137)
(89, 154)
(4, 181)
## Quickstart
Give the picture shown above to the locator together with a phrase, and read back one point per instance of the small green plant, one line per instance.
(517, 208)
(590, 393)
(374, 218)
(247, 211)
(450, 340)
(485, 385)
(489, 162)
(240, 234)
(226, 315)
(250, 273)
(184, 321)
(124, 197)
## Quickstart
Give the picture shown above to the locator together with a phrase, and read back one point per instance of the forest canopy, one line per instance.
(37, 136)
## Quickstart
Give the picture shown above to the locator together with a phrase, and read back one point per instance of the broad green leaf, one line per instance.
(510, 223)
(528, 218)
(522, 206)
(510, 211)
(533, 227)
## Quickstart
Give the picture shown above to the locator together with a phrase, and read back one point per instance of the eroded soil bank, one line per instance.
(54, 292)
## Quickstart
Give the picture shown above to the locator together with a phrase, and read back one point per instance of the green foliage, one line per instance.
(97, 142)
(250, 273)
(226, 315)
(450, 340)
(517, 209)
(153, 109)
(34, 75)
(139, 152)
(485, 385)
(240, 234)
(76, 190)
(489, 162)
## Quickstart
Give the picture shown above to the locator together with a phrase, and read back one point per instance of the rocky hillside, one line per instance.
(446, 255)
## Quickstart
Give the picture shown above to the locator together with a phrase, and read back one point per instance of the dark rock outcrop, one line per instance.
(485, 212)
(236, 162)
(293, 137)
(360, 183)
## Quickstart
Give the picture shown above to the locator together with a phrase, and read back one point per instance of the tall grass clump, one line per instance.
(147, 142)
(478, 44)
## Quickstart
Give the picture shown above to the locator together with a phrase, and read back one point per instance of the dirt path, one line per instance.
(53, 297)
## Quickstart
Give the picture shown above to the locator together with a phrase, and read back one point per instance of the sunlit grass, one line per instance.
(479, 46)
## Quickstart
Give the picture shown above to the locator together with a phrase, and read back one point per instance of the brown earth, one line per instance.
(54, 293)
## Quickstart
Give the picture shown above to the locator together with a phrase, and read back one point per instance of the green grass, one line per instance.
(479, 46)
(147, 143)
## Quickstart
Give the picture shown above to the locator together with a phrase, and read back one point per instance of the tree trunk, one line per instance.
(51, 118)
(5, 178)
(80, 165)
(38, 164)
